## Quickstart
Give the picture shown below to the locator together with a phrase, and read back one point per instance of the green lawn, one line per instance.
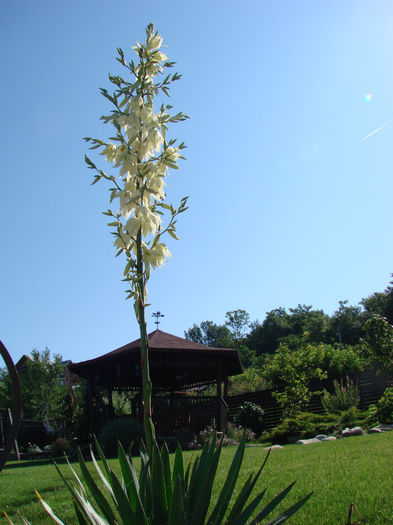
(357, 470)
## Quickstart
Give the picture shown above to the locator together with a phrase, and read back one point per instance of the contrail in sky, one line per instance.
(376, 130)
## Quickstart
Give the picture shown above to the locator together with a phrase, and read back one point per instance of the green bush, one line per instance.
(251, 416)
(351, 417)
(385, 407)
(306, 425)
(127, 431)
(301, 426)
(60, 446)
(345, 396)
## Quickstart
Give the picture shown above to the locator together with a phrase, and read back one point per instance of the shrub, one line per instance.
(345, 396)
(127, 431)
(372, 413)
(251, 416)
(385, 406)
(206, 436)
(352, 416)
(60, 446)
(301, 426)
(236, 432)
(306, 425)
(233, 435)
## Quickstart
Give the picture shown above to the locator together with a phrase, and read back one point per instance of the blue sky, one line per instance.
(287, 204)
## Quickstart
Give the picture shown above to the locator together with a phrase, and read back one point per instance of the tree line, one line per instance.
(295, 327)
(292, 347)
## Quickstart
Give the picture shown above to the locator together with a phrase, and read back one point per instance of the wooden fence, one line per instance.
(370, 383)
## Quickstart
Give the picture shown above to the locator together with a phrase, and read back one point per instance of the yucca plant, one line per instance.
(160, 495)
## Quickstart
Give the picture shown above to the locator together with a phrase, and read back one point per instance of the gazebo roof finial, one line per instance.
(157, 315)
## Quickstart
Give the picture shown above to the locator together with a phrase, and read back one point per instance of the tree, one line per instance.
(143, 153)
(309, 324)
(43, 394)
(210, 334)
(250, 380)
(264, 338)
(290, 371)
(237, 321)
(377, 341)
(375, 304)
(346, 324)
(230, 335)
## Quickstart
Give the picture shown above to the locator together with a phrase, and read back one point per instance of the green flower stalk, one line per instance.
(143, 155)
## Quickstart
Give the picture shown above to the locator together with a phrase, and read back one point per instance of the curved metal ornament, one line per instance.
(17, 405)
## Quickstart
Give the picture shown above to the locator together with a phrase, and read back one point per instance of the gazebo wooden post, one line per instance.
(110, 400)
(226, 388)
(218, 400)
(134, 408)
(90, 408)
(172, 398)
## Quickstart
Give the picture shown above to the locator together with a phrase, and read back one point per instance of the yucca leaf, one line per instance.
(244, 494)
(187, 474)
(126, 512)
(289, 512)
(202, 497)
(74, 494)
(81, 486)
(25, 522)
(7, 517)
(95, 491)
(79, 515)
(178, 465)
(89, 512)
(145, 484)
(160, 504)
(103, 459)
(101, 474)
(131, 481)
(221, 507)
(198, 476)
(241, 500)
(189, 491)
(176, 512)
(49, 510)
(243, 516)
(272, 504)
(167, 473)
(129, 475)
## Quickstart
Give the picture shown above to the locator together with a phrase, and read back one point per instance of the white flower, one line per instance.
(156, 256)
(155, 42)
(148, 220)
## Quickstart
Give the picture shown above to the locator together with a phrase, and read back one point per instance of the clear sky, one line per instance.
(288, 204)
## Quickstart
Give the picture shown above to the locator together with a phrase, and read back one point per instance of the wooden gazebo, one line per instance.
(176, 365)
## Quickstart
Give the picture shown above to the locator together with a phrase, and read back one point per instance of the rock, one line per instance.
(329, 438)
(273, 447)
(307, 441)
(355, 431)
(321, 436)
(381, 428)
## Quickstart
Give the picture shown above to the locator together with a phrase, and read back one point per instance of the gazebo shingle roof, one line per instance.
(174, 362)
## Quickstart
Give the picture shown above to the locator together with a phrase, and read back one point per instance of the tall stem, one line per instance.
(146, 382)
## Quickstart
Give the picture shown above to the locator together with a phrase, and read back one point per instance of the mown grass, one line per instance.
(357, 470)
